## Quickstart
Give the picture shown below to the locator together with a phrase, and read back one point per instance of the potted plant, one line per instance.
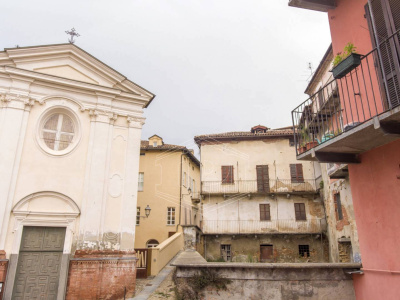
(344, 62)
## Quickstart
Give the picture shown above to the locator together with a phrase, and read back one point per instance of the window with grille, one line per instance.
(141, 182)
(58, 132)
(265, 214)
(226, 252)
(171, 216)
(300, 211)
(227, 174)
(304, 250)
(137, 215)
(296, 173)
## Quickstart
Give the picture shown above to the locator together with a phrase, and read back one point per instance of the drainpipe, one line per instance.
(180, 194)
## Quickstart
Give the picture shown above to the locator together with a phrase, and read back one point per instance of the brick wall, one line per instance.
(3, 270)
(101, 275)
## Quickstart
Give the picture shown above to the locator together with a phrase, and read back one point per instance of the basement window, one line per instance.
(226, 252)
(304, 250)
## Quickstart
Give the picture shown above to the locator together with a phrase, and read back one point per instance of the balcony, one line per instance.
(195, 197)
(338, 171)
(276, 186)
(318, 5)
(263, 227)
(353, 114)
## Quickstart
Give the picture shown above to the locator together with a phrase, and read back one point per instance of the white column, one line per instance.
(14, 120)
(129, 201)
(95, 181)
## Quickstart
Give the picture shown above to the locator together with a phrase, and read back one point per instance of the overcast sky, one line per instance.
(214, 65)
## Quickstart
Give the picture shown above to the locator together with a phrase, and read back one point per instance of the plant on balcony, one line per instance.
(345, 62)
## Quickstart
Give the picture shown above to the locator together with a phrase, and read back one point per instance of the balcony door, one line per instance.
(384, 21)
(262, 179)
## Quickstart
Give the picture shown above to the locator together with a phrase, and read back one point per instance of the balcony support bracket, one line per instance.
(332, 157)
(391, 127)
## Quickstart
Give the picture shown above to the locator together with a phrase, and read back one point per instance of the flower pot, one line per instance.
(301, 149)
(345, 66)
(311, 145)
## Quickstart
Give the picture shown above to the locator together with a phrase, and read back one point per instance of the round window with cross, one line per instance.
(58, 131)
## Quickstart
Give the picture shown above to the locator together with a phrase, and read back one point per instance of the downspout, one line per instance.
(180, 194)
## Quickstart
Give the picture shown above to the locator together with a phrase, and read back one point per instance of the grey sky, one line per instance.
(215, 66)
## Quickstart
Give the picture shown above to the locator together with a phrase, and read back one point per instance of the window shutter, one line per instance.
(265, 213)
(386, 18)
(227, 174)
(296, 173)
(262, 178)
(300, 211)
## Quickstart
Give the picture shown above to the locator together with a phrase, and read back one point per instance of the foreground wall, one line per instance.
(275, 281)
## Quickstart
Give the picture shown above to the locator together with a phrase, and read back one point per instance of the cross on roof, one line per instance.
(72, 33)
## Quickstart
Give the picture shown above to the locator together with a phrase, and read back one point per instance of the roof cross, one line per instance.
(73, 34)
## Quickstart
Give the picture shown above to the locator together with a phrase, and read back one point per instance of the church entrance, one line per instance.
(39, 261)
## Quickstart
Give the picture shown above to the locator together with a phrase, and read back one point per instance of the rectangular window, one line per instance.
(265, 214)
(266, 253)
(227, 174)
(300, 211)
(226, 252)
(171, 216)
(190, 183)
(137, 215)
(262, 178)
(141, 182)
(194, 186)
(304, 250)
(291, 142)
(184, 179)
(338, 207)
(296, 173)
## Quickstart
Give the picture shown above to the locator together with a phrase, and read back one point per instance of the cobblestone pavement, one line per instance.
(165, 290)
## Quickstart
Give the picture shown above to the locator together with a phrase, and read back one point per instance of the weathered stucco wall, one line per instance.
(285, 247)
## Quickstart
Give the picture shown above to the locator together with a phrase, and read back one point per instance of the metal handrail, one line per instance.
(345, 103)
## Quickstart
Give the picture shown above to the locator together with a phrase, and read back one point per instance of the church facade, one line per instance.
(70, 130)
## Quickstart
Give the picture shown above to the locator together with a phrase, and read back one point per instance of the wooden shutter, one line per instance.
(227, 174)
(296, 173)
(300, 211)
(262, 178)
(265, 213)
(266, 253)
(386, 18)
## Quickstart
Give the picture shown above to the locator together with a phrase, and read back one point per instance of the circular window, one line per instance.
(58, 131)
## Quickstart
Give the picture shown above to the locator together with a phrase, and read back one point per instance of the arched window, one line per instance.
(152, 243)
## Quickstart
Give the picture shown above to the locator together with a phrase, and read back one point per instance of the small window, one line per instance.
(338, 207)
(265, 214)
(154, 144)
(296, 173)
(300, 211)
(138, 216)
(304, 250)
(142, 154)
(171, 216)
(141, 182)
(194, 186)
(184, 179)
(291, 142)
(227, 174)
(226, 252)
(152, 243)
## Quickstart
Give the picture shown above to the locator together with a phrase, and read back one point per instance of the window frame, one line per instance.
(296, 173)
(304, 249)
(141, 187)
(228, 251)
(171, 217)
(338, 207)
(137, 215)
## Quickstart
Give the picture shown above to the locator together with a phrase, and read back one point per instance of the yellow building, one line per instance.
(169, 184)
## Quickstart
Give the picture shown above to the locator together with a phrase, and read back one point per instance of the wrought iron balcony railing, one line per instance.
(364, 100)
(275, 186)
(262, 227)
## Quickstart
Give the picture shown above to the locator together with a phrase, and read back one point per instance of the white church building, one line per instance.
(70, 129)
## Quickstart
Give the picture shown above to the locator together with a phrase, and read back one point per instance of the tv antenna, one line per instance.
(73, 34)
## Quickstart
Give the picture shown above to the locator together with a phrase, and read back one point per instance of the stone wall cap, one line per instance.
(270, 265)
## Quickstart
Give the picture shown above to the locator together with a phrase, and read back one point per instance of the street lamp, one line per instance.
(147, 211)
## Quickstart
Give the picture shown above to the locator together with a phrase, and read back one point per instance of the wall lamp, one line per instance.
(146, 211)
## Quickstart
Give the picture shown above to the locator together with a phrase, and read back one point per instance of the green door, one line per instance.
(39, 262)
